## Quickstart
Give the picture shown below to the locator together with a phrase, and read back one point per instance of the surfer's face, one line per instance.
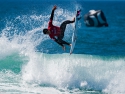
(48, 32)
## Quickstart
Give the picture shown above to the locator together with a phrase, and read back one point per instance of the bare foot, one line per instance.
(70, 44)
(73, 19)
(64, 48)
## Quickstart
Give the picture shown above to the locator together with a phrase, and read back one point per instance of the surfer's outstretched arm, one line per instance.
(52, 13)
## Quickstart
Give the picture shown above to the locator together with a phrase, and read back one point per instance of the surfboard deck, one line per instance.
(74, 35)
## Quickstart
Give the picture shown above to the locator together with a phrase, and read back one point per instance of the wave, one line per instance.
(77, 71)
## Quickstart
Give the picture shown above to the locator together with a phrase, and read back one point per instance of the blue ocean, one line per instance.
(32, 63)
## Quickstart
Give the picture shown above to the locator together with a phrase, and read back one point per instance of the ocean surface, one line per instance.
(31, 63)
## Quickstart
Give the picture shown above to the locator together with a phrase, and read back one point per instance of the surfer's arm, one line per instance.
(52, 13)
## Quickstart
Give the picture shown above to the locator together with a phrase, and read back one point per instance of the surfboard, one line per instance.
(74, 35)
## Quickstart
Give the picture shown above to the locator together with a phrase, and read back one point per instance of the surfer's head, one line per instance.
(45, 31)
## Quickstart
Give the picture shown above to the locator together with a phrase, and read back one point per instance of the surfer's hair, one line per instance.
(45, 30)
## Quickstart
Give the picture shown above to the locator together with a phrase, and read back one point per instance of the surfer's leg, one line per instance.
(62, 28)
(60, 37)
(63, 25)
(62, 41)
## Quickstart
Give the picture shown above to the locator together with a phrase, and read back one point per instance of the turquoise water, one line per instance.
(31, 63)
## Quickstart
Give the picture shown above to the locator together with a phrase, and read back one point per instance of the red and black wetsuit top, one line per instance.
(55, 31)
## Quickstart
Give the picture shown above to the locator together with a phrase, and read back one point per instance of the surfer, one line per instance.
(57, 33)
(95, 18)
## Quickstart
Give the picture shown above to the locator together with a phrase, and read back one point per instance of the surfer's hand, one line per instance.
(55, 7)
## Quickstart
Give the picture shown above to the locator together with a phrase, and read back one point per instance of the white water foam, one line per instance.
(76, 71)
